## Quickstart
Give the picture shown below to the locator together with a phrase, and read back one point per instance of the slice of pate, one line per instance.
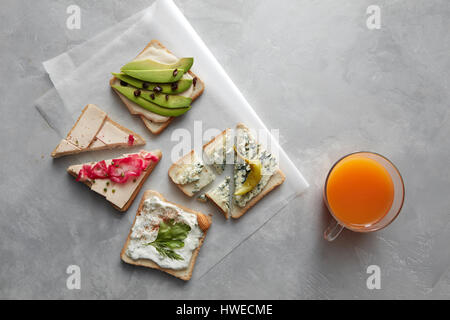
(94, 130)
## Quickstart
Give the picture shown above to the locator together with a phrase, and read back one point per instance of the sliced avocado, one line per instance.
(166, 100)
(128, 92)
(181, 86)
(148, 64)
(162, 76)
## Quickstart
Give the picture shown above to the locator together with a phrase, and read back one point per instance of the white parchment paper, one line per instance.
(81, 76)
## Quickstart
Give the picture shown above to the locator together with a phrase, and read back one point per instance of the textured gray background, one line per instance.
(311, 68)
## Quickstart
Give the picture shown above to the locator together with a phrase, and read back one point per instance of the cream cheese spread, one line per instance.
(146, 227)
(161, 55)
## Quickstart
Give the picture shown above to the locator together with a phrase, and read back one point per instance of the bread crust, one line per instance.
(154, 127)
(130, 201)
(159, 127)
(276, 180)
(184, 274)
(139, 141)
(226, 214)
(173, 167)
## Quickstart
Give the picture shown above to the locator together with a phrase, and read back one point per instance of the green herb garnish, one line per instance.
(171, 236)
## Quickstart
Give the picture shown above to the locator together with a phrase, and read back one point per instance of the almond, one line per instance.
(203, 222)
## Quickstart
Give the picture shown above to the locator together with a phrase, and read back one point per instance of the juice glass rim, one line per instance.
(362, 229)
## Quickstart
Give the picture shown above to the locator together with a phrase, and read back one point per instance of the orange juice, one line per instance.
(359, 191)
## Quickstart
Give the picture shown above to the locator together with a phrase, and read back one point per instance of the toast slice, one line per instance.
(204, 222)
(272, 176)
(154, 122)
(95, 130)
(276, 180)
(219, 151)
(121, 195)
(220, 196)
(190, 174)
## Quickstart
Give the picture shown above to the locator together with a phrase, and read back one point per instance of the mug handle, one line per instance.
(333, 230)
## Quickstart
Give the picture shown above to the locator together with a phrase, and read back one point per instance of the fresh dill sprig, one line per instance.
(171, 236)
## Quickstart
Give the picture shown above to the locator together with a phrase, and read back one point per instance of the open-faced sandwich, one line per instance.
(118, 180)
(165, 236)
(256, 171)
(190, 174)
(94, 130)
(157, 86)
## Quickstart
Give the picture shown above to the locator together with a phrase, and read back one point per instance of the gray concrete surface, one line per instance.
(311, 68)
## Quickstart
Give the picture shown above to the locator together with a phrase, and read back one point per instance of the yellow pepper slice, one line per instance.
(253, 177)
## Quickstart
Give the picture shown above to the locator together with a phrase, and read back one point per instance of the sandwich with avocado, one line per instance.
(157, 86)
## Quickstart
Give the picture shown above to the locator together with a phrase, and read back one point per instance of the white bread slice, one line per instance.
(94, 130)
(275, 180)
(204, 223)
(190, 189)
(220, 196)
(124, 194)
(156, 123)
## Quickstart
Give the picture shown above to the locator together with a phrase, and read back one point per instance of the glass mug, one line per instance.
(364, 192)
